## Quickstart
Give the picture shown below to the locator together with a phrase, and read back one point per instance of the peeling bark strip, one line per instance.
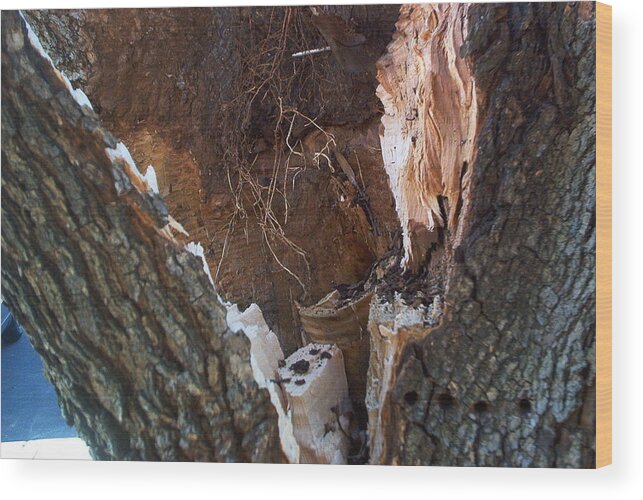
(151, 370)
(508, 377)
(430, 119)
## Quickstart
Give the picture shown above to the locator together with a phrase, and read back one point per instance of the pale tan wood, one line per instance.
(314, 383)
(603, 235)
(265, 355)
(391, 326)
(429, 126)
(344, 323)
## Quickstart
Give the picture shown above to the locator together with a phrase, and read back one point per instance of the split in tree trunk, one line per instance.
(442, 253)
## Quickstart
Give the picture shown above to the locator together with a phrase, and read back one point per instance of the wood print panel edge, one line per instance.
(603, 235)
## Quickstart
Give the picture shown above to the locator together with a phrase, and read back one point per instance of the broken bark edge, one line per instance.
(391, 326)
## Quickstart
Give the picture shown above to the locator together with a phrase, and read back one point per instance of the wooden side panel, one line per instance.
(603, 235)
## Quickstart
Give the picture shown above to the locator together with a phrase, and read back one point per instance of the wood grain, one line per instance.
(603, 235)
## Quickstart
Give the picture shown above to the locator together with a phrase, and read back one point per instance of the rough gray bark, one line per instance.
(508, 378)
(129, 328)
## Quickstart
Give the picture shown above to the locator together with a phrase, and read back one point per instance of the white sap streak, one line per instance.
(197, 250)
(150, 178)
(121, 152)
(174, 224)
(79, 96)
(265, 353)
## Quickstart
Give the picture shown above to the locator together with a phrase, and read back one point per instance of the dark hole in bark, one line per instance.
(585, 372)
(410, 398)
(480, 407)
(446, 401)
(300, 367)
(524, 404)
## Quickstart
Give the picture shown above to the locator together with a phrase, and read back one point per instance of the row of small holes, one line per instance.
(446, 401)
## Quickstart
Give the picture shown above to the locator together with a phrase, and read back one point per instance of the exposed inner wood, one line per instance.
(314, 383)
(261, 216)
(343, 324)
(265, 355)
(430, 123)
(391, 325)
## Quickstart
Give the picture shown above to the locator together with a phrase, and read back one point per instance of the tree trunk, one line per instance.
(508, 376)
(131, 332)
(482, 346)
